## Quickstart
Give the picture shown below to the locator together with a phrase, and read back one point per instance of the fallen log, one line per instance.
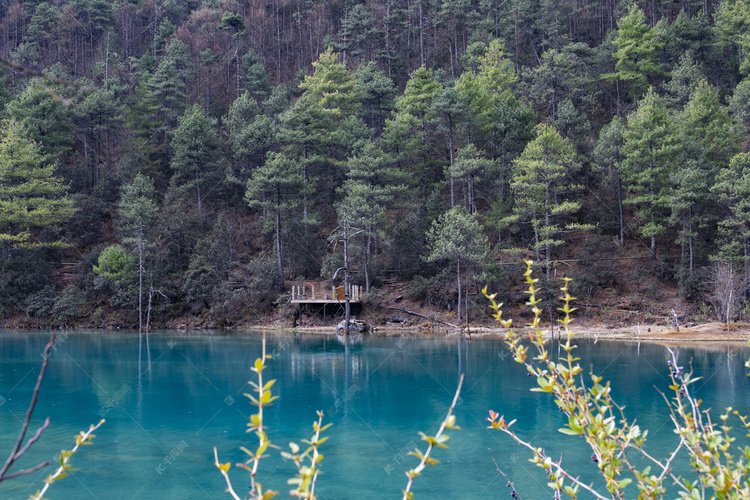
(421, 316)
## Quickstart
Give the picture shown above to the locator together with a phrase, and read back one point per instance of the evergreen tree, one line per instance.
(275, 187)
(608, 156)
(254, 77)
(322, 127)
(500, 123)
(457, 237)
(98, 116)
(686, 77)
(166, 91)
(377, 93)
(32, 197)
(371, 188)
(44, 114)
(635, 55)
(733, 30)
(562, 74)
(138, 212)
(197, 155)
(251, 136)
(733, 191)
(407, 133)
(739, 106)
(542, 182)
(651, 148)
(469, 167)
(450, 110)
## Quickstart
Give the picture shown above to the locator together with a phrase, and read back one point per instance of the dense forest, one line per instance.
(163, 159)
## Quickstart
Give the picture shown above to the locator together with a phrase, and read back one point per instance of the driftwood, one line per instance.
(421, 316)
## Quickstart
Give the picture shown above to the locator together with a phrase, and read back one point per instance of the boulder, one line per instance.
(355, 326)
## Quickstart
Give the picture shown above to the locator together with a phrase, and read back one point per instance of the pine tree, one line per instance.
(542, 182)
(138, 212)
(275, 187)
(32, 197)
(608, 156)
(44, 114)
(651, 148)
(499, 122)
(197, 155)
(457, 237)
(322, 127)
(733, 191)
(409, 134)
(372, 187)
(636, 52)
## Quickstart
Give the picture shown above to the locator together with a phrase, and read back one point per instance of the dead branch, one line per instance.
(421, 316)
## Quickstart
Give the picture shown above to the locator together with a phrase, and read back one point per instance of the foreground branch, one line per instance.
(17, 451)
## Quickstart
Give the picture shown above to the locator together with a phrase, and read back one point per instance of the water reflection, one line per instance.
(168, 399)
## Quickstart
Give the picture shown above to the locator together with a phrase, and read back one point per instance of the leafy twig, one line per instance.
(438, 440)
(82, 439)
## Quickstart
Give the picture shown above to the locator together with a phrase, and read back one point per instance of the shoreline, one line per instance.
(706, 332)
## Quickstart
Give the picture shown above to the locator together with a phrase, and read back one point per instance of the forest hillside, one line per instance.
(171, 163)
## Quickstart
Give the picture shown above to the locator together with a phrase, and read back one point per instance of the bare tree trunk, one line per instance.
(278, 248)
(458, 274)
(347, 280)
(421, 34)
(622, 217)
(367, 259)
(140, 279)
(450, 151)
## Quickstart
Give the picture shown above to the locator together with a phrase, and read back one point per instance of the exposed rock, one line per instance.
(355, 326)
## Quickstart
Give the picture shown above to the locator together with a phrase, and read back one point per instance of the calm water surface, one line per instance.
(169, 403)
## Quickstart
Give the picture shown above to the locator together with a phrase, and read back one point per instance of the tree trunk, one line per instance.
(368, 252)
(347, 303)
(140, 279)
(278, 247)
(450, 153)
(458, 274)
(421, 34)
(619, 204)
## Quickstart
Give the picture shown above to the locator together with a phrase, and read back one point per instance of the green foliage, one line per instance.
(635, 54)
(43, 113)
(739, 106)
(31, 195)
(255, 79)
(68, 304)
(276, 187)
(197, 156)
(733, 28)
(436, 441)
(457, 237)
(651, 148)
(113, 263)
(503, 120)
(542, 179)
(733, 191)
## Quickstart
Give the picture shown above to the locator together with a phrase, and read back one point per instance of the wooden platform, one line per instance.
(305, 295)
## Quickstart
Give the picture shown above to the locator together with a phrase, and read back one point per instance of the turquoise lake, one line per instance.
(168, 403)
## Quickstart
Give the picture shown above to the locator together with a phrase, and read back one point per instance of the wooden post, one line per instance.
(313, 292)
